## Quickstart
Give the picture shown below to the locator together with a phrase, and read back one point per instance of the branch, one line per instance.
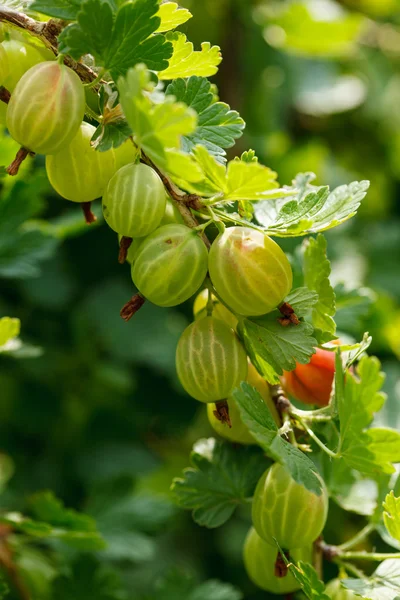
(47, 32)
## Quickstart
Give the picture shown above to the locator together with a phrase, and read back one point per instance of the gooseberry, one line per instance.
(335, 591)
(16, 57)
(170, 265)
(286, 511)
(80, 173)
(210, 360)
(249, 271)
(46, 108)
(219, 310)
(259, 561)
(135, 200)
(312, 383)
(239, 432)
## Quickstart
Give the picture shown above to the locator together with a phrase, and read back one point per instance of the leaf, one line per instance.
(55, 521)
(119, 44)
(218, 126)
(256, 415)
(111, 135)
(185, 61)
(316, 269)
(302, 300)
(60, 9)
(88, 578)
(280, 347)
(154, 127)
(9, 329)
(221, 478)
(172, 16)
(307, 577)
(313, 210)
(353, 307)
(391, 515)
(178, 585)
(384, 583)
(350, 490)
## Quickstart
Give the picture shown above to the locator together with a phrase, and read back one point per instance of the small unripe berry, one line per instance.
(286, 511)
(46, 108)
(135, 200)
(249, 271)
(259, 561)
(312, 383)
(170, 265)
(210, 360)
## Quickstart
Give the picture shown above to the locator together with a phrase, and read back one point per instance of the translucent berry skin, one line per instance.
(219, 310)
(79, 172)
(336, 592)
(249, 271)
(287, 511)
(210, 360)
(312, 383)
(239, 432)
(135, 201)
(16, 57)
(259, 561)
(170, 265)
(46, 108)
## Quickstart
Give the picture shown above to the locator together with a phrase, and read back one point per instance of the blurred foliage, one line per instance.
(92, 409)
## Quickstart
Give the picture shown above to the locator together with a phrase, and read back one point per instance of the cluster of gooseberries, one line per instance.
(244, 273)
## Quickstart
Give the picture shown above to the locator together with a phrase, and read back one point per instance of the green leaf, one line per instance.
(299, 30)
(155, 127)
(218, 127)
(353, 307)
(178, 585)
(316, 269)
(280, 347)
(307, 577)
(60, 9)
(88, 579)
(172, 16)
(349, 489)
(256, 415)
(111, 135)
(185, 61)
(312, 210)
(391, 515)
(221, 478)
(384, 583)
(302, 300)
(119, 44)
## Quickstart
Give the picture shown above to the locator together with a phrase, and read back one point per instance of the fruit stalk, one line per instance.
(123, 249)
(4, 95)
(131, 307)
(90, 217)
(18, 160)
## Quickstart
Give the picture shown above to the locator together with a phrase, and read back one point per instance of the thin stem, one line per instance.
(321, 414)
(373, 556)
(350, 568)
(359, 537)
(98, 79)
(90, 112)
(290, 432)
(316, 439)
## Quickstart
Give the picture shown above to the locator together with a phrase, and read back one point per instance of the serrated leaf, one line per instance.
(256, 415)
(310, 583)
(316, 269)
(88, 578)
(111, 135)
(60, 9)
(384, 583)
(313, 210)
(391, 515)
(121, 43)
(178, 585)
(302, 300)
(172, 16)
(185, 61)
(154, 127)
(221, 478)
(218, 126)
(280, 347)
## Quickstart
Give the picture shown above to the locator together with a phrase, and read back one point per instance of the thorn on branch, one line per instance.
(4, 95)
(131, 307)
(123, 249)
(289, 316)
(281, 569)
(87, 211)
(221, 412)
(18, 160)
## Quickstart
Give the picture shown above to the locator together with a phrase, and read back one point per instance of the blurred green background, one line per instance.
(92, 408)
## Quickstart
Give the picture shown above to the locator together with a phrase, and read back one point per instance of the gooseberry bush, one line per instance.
(119, 102)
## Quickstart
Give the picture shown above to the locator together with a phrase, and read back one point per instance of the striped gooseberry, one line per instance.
(312, 383)
(238, 432)
(286, 511)
(170, 265)
(336, 591)
(46, 108)
(210, 360)
(135, 200)
(259, 561)
(219, 310)
(16, 57)
(249, 271)
(80, 173)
